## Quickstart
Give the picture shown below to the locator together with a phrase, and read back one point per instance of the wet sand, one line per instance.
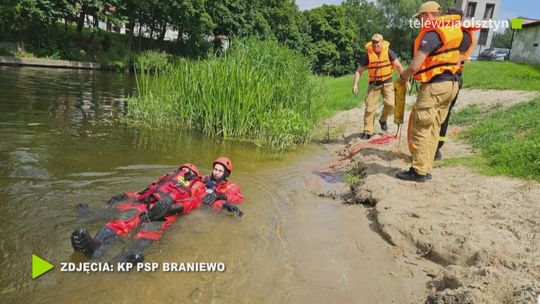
(483, 232)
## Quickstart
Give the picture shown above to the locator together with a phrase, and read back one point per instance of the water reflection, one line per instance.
(62, 145)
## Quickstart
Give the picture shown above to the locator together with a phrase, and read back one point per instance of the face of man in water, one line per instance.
(377, 46)
(218, 171)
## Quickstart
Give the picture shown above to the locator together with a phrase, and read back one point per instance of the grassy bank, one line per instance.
(339, 94)
(477, 75)
(501, 76)
(257, 92)
(508, 141)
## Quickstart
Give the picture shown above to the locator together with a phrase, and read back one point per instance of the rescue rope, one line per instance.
(381, 140)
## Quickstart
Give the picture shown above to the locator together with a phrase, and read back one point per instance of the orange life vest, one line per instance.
(468, 52)
(379, 67)
(445, 58)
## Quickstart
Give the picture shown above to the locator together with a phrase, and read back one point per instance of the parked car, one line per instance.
(494, 54)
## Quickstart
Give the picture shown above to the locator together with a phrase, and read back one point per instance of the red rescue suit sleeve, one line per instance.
(232, 191)
(198, 191)
(144, 194)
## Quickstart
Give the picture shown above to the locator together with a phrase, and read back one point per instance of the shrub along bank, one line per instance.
(257, 91)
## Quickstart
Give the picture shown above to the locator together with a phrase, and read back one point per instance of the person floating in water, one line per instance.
(222, 194)
(155, 208)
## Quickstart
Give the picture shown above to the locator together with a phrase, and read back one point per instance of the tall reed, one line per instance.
(257, 91)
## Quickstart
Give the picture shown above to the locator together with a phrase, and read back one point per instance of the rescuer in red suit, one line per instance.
(153, 210)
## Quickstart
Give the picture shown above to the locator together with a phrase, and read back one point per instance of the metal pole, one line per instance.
(511, 43)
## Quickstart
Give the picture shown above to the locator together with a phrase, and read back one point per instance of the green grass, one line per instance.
(477, 75)
(501, 76)
(472, 114)
(339, 94)
(508, 142)
(474, 161)
(467, 115)
(258, 91)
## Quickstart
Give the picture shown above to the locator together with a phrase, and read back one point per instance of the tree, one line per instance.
(398, 31)
(231, 17)
(333, 40)
(288, 25)
(502, 40)
(365, 19)
(194, 25)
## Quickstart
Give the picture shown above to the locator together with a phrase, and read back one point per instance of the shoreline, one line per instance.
(49, 63)
(480, 230)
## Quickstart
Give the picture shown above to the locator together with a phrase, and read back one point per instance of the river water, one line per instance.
(61, 144)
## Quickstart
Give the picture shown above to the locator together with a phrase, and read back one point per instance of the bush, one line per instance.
(151, 61)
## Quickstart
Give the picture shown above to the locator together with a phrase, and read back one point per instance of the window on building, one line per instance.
(471, 9)
(483, 36)
(490, 8)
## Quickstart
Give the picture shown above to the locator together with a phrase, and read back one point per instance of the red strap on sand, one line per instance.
(381, 140)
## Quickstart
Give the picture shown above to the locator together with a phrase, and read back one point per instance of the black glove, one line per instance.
(209, 183)
(233, 208)
(155, 213)
(117, 198)
(211, 197)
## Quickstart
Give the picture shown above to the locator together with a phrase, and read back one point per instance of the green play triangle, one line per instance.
(39, 266)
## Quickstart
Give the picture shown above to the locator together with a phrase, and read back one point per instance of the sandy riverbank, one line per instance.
(483, 232)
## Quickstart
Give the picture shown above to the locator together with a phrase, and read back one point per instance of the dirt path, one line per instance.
(484, 232)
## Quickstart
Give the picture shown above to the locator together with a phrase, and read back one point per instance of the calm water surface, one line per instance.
(61, 144)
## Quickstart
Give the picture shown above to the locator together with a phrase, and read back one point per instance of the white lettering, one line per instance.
(148, 267)
(124, 267)
(193, 267)
(86, 267)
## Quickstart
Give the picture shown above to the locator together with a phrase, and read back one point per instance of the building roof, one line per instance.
(527, 22)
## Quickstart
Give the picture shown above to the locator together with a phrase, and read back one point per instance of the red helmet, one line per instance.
(191, 167)
(225, 162)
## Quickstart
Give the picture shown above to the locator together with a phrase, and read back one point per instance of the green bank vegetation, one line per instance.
(339, 94)
(473, 114)
(257, 91)
(477, 75)
(501, 75)
(507, 141)
(331, 36)
(109, 49)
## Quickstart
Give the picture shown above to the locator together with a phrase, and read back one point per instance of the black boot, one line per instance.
(384, 125)
(411, 175)
(365, 136)
(134, 254)
(83, 242)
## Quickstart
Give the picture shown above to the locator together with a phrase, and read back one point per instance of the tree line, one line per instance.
(331, 36)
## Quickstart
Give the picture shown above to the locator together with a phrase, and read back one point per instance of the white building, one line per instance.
(525, 48)
(480, 10)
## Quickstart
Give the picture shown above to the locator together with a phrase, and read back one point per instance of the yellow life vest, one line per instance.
(379, 67)
(445, 58)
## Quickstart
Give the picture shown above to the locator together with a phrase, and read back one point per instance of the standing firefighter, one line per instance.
(379, 60)
(434, 64)
(465, 49)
